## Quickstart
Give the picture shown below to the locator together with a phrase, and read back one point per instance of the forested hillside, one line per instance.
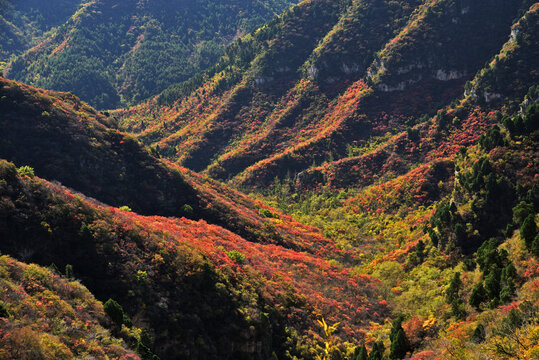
(25, 23)
(289, 96)
(353, 180)
(112, 52)
(126, 256)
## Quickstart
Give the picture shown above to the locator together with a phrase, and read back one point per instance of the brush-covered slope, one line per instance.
(24, 23)
(65, 140)
(320, 78)
(445, 215)
(46, 316)
(509, 77)
(454, 243)
(200, 291)
(111, 52)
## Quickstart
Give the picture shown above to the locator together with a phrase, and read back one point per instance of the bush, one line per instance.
(265, 213)
(26, 171)
(236, 256)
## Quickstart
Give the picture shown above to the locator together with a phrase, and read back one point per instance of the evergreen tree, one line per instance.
(492, 283)
(114, 311)
(479, 295)
(528, 230)
(399, 346)
(360, 353)
(377, 351)
(457, 309)
(399, 342)
(452, 292)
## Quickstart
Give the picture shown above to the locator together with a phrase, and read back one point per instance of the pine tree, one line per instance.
(452, 292)
(114, 311)
(360, 353)
(377, 351)
(479, 295)
(528, 230)
(399, 342)
(399, 346)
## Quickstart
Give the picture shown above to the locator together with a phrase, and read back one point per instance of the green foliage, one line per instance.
(521, 212)
(452, 293)
(266, 213)
(523, 125)
(377, 351)
(187, 209)
(458, 310)
(478, 296)
(114, 311)
(125, 208)
(528, 231)
(236, 256)
(132, 46)
(499, 275)
(26, 171)
(492, 138)
(400, 345)
(360, 353)
(452, 296)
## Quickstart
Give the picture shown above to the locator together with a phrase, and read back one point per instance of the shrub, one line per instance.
(26, 171)
(236, 256)
(187, 209)
(265, 213)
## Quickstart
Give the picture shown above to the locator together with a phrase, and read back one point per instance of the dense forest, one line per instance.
(113, 52)
(351, 180)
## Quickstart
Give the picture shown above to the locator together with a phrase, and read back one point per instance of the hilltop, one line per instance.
(111, 52)
(273, 106)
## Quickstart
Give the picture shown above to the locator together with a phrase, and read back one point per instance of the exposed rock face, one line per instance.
(446, 75)
(350, 69)
(312, 71)
(259, 81)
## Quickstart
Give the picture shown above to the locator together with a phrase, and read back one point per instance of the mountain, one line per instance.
(25, 23)
(47, 316)
(149, 264)
(178, 278)
(65, 140)
(422, 163)
(113, 52)
(297, 92)
(389, 150)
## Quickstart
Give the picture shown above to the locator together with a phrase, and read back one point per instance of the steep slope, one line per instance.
(179, 278)
(67, 141)
(298, 91)
(24, 23)
(504, 81)
(116, 52)
(46, 316)
(445, 214)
